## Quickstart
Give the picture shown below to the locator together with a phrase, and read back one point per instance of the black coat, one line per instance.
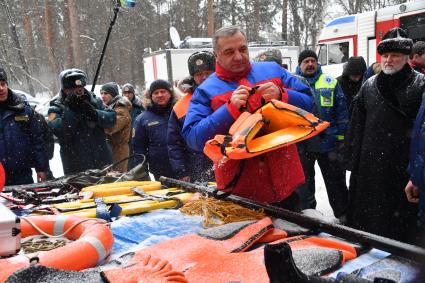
(349, 88)
(82, 142)
(378, 142)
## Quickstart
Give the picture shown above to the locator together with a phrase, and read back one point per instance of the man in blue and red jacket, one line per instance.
(271, 177)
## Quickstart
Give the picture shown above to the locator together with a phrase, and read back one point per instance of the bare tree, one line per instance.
(29, 34)
(49, 36)
(285, 20)
(75, 32)
(18, 47)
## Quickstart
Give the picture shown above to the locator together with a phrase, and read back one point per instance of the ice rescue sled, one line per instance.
(274, 125)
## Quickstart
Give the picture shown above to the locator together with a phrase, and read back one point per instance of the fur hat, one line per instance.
(111, 88)
(71, 78)
(354, 66)
(395, 40)
(270, 55)
(160, 84)
(3, 75)
(128, 88)
(305, 54)
(201, 61)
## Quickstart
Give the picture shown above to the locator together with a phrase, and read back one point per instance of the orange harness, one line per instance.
(276, 124)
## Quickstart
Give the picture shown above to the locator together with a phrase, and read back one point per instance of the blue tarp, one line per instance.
(144, 230)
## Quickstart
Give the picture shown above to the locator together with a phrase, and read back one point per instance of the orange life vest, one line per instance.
(274, 125)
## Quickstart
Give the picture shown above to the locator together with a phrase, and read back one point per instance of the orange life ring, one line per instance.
(93, 242)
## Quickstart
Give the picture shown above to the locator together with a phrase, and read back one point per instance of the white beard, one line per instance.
(391, 70)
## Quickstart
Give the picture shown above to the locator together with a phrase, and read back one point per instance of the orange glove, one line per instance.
(148, 270)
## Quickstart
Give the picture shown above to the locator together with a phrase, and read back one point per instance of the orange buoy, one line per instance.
(92, 238)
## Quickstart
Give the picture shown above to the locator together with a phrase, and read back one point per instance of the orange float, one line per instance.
(92, 238)
(276, 124)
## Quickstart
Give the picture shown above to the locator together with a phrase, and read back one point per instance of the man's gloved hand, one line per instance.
(88, 110)
(73, 101)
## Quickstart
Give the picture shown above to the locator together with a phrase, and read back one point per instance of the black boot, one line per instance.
(281, 267)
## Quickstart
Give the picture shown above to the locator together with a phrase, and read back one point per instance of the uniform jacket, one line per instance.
(119, 135)
(416, 167)
(49, 141)
(378, 141)
(330, 105)
(83, 143)
(21, 141)
(136, 109)
(184, 160)
(150, 139)
(270, 177)
(349, 88)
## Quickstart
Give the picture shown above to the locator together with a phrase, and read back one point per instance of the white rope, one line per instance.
(67, 231)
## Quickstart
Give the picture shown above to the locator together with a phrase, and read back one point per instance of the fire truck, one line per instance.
(358, 35)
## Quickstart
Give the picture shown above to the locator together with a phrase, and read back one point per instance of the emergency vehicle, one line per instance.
(358, 35)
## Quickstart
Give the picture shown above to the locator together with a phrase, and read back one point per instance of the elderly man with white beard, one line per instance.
(378, 142)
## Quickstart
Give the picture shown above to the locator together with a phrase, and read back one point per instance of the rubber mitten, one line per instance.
(147, 270)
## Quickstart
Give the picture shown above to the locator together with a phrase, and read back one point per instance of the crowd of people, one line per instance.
(372, 132)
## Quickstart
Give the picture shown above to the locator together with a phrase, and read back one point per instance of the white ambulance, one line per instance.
(358, 35)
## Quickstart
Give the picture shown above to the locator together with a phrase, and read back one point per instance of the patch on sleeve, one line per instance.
(22, 118)
(153, 123)
(52, 116)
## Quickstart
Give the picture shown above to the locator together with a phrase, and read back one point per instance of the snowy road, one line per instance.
(321, 195)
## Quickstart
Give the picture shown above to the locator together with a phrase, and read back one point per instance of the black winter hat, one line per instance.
(111, 88)
(418, 48)
(305, 54)
(270, 55)
(160, 84)
(395, 40)
(71, 78)
(3, 75)
(128, 87)
(201, 61)
(354, 66)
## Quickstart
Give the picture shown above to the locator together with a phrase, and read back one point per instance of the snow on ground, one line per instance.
(321, 195)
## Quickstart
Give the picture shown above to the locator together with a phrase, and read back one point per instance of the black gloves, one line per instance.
(73, 101)
(80, 104)
(88, 111)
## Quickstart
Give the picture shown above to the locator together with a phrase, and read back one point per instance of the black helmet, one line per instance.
(71, 78)
(201, 61)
